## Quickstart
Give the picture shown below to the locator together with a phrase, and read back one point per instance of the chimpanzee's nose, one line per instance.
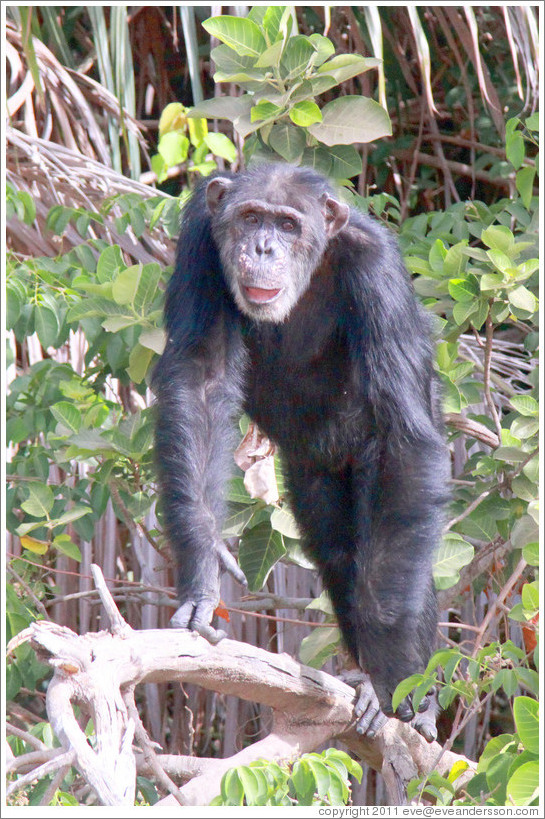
(263, 245)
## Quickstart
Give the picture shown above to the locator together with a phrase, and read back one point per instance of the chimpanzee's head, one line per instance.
(272, 227)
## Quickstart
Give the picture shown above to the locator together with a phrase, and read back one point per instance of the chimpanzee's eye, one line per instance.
(287, 224)
(250, 218)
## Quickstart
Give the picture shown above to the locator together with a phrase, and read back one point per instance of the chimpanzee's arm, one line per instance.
(198, 388)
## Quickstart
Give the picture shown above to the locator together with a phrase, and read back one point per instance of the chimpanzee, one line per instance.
(290, 305)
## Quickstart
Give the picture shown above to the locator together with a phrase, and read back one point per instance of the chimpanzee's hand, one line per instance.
(369, 716)
(423, 721)
(201, 596)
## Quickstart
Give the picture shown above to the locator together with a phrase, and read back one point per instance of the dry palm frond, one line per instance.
(55, 175)
(510, 364)
(73, 108)
(57, 152)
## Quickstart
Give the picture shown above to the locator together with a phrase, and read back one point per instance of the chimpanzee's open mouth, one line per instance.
(258, 295)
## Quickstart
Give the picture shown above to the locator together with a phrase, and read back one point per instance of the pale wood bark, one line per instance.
(100, 670)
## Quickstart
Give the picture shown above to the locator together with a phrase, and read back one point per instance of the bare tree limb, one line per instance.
(310, 707)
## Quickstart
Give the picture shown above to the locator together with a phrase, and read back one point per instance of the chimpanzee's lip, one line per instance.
(259, 295)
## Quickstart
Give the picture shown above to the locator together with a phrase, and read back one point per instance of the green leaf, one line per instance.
(531, 554)
(29, 208)
(464, 289)
(526, 713)
(514, 149)
(455, 261)
(228, 61)
(296, 57)
(523, 299)
(260, 548)
(250, 783)
(524, 488)
(319, 646)
(453, 553)
(67, 414)
(283, 521)
(173, 147)
(47, 325)
(65, 545)
(346, 162)
(40, 500)
(198, 130)
(525, 404)
(437, 255)
(15, 298)
(324, 48)
(271, 56)
(524, 181)
(452, 398)
(351, 119)
(139, 361)
(173, 118)
(321, 774)
(154, 339)
(343, 67)
(530, 597)
(221, 145)
(272, 21)
(404, 688)
(125, 284)
(239, 33)
(463, 310)
(288, 141)
(264, 110)
(117, 323)
(305, 113)
(232, 791)
(75, 513)
(492, 281)
(318, 158)
(523, 787)
(236, 521)
(500, 260)
(303, 781)
(225, 107)
(498, 237)
(146, 286)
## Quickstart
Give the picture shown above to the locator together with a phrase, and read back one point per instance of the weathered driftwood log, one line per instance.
(100, 670)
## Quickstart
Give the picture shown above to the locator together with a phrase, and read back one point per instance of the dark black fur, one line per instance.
(344, 385)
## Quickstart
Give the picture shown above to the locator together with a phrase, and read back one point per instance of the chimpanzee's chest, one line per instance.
(301, 392)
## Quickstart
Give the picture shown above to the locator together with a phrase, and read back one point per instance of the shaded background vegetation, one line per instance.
(86, 90)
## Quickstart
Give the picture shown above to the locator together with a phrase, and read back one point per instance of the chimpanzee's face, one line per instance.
(268, 246)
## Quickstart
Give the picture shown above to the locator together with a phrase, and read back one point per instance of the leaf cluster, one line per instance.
(314, 779)
(281, 73)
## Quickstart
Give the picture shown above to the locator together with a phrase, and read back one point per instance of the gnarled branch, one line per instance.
(310, 707)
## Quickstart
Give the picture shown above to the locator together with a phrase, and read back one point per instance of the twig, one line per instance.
(54, 784)
(486, 375)
(37, 602)
(132, 525)
(63, 759)
(519, 568)
(148, 752)
(117, 623)
(472, 428)
(30, 760)
(469, 509)
(30, 739)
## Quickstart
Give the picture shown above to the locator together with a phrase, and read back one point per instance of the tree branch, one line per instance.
(309, 707)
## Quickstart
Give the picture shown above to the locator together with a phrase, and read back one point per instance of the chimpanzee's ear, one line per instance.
(215, 192)
(336, 215)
